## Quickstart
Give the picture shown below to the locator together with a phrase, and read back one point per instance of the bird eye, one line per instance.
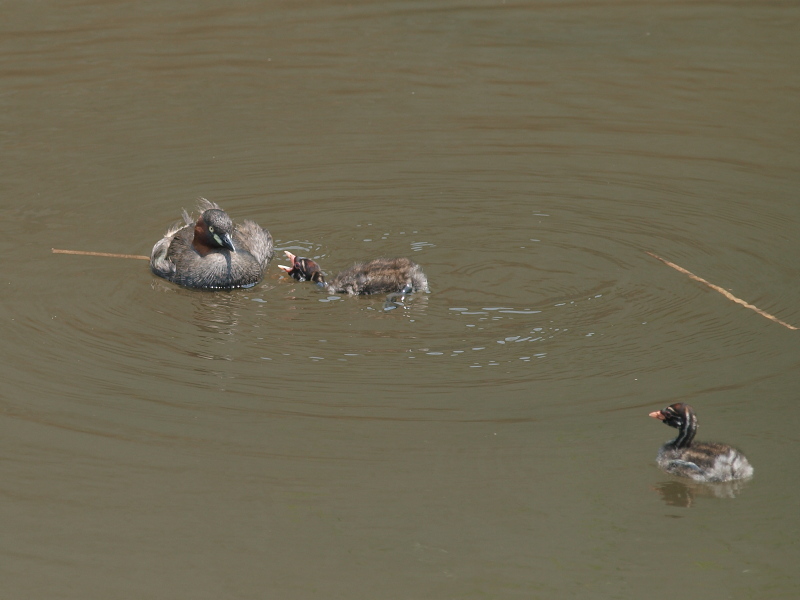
(211, 228)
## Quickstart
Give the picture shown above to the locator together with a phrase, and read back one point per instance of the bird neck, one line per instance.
(686, 432)
(200, 241)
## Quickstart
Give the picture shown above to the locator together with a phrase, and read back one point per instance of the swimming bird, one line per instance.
(212, 252)
(706, 462)
(378, 276)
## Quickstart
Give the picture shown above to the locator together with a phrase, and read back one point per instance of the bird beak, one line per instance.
(225, 241)
(292, 258)
(657, 415)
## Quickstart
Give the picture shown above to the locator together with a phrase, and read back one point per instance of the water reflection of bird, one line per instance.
(685, 493)
(705, 462)
(213, 252)
(379, 276)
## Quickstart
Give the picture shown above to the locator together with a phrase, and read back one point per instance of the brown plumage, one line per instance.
(701, 461)
(213, 252)
(379, 276)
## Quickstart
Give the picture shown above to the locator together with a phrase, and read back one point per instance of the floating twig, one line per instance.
(108, 254)
(722, 291)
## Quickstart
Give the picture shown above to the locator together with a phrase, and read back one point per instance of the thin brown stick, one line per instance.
(108, 254)
(722, 291)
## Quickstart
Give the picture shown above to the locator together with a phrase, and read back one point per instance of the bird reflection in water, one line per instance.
(685, 493)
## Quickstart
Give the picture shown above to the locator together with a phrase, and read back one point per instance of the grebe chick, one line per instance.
(379, 276)
(213, 252)
(706, 462)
